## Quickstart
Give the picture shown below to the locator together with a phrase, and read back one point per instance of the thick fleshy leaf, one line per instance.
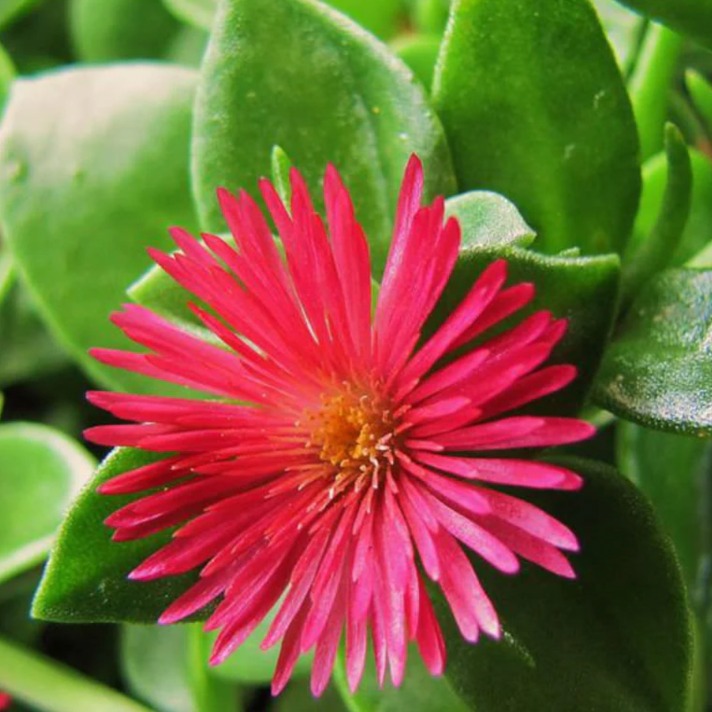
(696, 234)
(7, 74)
(617, 638)
(690, 17)
(197, 12)
(27, 350)
(250, 664)
(672, 471)
(419, 692)
(701, 92)
(87, 197)
(488, 220)
(378, 16)
(651, 83)
(650, 252)
(623, 28)
(339, 97)
(658, 370)
(120, 29)
(41, 471)
(583, 290)
(430, 16)
(534, 108)
(155, 665)
(12, 9)
(419, 52)
(86, 576)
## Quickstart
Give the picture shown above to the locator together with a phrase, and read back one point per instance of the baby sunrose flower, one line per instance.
(336, 459)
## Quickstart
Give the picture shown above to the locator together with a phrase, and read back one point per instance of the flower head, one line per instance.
(338, 457)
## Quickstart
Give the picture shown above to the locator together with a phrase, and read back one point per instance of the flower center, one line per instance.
(354, 432)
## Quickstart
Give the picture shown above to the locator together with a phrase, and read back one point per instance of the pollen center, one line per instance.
(354, 433)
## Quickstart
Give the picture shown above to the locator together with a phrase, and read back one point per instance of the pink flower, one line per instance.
(5, 700)
(346, 456)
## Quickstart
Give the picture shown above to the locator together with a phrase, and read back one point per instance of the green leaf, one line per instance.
(250, 664)
(658, 370)
(7, 75)
(120, 29)
(617, 638)
(488, 220)
(431, 15)
(10, 10)
(419, 692)
(672, 471)
(196, 12)
(675, 472)
(650, 85)
(624, 30)
(86, 577)
(690, 17)
(40, 472)
(281, 164)
(696, 233)
(377, 16)
(154, 663)
(701, 93)
(584, 290)
(651, 252)
(27, 350)
(534, 107)
(339, 96)
(87, 197)
(419, 52)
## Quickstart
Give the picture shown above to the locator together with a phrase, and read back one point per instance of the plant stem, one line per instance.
(48, 685)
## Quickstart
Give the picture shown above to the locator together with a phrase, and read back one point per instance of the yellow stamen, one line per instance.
(354, 433)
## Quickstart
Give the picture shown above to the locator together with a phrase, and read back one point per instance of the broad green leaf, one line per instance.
(12, 9)
(488, 220)
(7, 74)
(196, 12)
(672, 471)
(696, 233)
(40, 472)
(87, 197)
(381, 17)
(339, 96)
(430, 16)
(27, 350)
(419, 52)
(120, 29)
(154, 662)
(419, 692)
(616, 638)
(86, 577)
(624, 30)
(250, 664)
(534, 108)
(584, 290)
(297, 697)
(658, 370)
(651, 252)
(690, 17)
(188, 47)
(701, 92)
(675, 472)
(651, 83)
